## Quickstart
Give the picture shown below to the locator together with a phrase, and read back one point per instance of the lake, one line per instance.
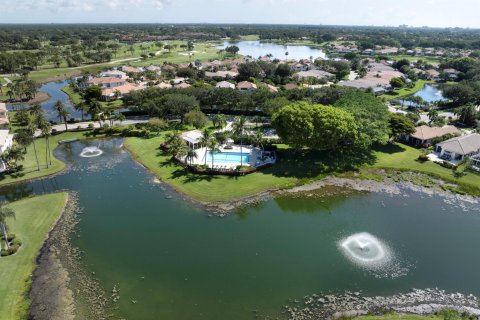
(429, 93)
(257, 49)
(54, 90)
(177, 261)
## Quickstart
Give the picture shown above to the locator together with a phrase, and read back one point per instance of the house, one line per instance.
(182, 85)
(225, 85)
(246, 86)
(6, 141)
(432, 74)
(424, 134)
(3, 115)
(451, 73)
(109, 94)
(129, 69)
(192, 138)
(458, 148)
(106, 83)
(164, 85)
(317, 74)
(221, 74)
(114, 74)
(271, 88)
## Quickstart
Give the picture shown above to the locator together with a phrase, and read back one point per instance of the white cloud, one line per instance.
(78, 5)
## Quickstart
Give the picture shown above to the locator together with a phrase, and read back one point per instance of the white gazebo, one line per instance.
(192, 138)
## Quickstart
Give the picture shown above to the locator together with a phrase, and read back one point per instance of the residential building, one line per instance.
(3, 115)
(107, 83)
(458, 148)
(424, 134)
(246, 86)
(114, 74)
(225, 85)
(317, 74)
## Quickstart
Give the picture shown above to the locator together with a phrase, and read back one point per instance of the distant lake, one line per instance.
(257, 49)
(429, 93)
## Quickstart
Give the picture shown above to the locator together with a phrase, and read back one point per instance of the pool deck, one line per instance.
(255, 155)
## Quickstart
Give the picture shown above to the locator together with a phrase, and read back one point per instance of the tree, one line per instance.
(156, 125)
(397, 82)
(5, 213)
(433, 115)
(370, 114)
(178, 104)
(249, 70)
(219, 121)
(46, 129)
(212, 145)
(204, 142)
(196, 118)
(92, 93)
(400, 124)
(467, 114)
(177, 146)
(62, 112)
(23, 138)
(315, 126)
(95, 109)
(239, 126)
(191, 155)
(12, 156)
(232, 50)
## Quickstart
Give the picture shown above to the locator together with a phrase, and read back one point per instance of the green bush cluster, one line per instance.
(15, 245)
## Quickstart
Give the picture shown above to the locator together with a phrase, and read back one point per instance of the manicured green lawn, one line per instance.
(30, 165)
(407, 91)
(291, 169)
(403, 157)
(35, 217)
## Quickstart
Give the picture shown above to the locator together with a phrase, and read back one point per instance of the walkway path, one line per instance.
(84, 125)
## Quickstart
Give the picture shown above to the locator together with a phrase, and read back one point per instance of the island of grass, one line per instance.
(35, 217)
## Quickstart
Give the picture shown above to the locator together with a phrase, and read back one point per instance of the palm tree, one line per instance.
(213, 146)
(5, 213)
(35, 110)
(95, 109)
(31, 129)
(433, 115)
(191, 154)
(219, 121)
(239, 129)
(46, 129)
(62, 112)
(258, 139)
(204, 141)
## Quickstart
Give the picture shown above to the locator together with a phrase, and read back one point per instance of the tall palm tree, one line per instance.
(213, 146)
(433, 115)
(31, 129)
(95, 109)
(204, 141)
(62, 112)
(46, 129)
(239, 129)
(5, 213)
(35, 110)
(191, 154)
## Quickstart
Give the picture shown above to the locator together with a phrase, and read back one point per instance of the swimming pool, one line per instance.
(229, 157)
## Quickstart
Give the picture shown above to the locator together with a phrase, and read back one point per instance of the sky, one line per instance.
(432, 13)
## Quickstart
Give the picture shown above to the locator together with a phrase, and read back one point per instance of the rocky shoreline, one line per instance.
(61, 288)
(353, 304)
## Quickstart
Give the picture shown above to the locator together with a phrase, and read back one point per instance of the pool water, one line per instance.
(228, 157)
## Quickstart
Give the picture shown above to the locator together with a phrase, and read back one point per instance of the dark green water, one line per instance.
(175, 261)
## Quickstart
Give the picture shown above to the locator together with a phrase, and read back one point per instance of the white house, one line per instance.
(114, 74)
(458, 148)
(6, 141)
(3, 115)
(225, 85)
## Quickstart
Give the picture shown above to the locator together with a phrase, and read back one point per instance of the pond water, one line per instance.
(257, 49)
(54, 90)
(177, 261)
(429, 93)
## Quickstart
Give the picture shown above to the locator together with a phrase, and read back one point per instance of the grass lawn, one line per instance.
(29, 170)
(419, 84)
(289, 171)
(77, 98)
(35, 217)
(403, 157)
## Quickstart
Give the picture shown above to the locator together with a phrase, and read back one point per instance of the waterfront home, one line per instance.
(3, 115)
(457, 149)
(451, 73)
(432, 74)
(107, 83)
(246, 86)
(114, 74)
(424, 134)
(225, 85)
(6, 141)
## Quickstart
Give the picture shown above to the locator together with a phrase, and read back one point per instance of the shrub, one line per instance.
(90, 126)
(423, 158)
(4, 253)
(13, 249)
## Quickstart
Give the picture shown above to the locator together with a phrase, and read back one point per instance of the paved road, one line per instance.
(84, 125)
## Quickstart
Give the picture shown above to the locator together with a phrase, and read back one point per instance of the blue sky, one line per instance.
(434, 13)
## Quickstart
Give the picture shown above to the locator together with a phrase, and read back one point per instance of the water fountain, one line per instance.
(90, 152)
(366, 250)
